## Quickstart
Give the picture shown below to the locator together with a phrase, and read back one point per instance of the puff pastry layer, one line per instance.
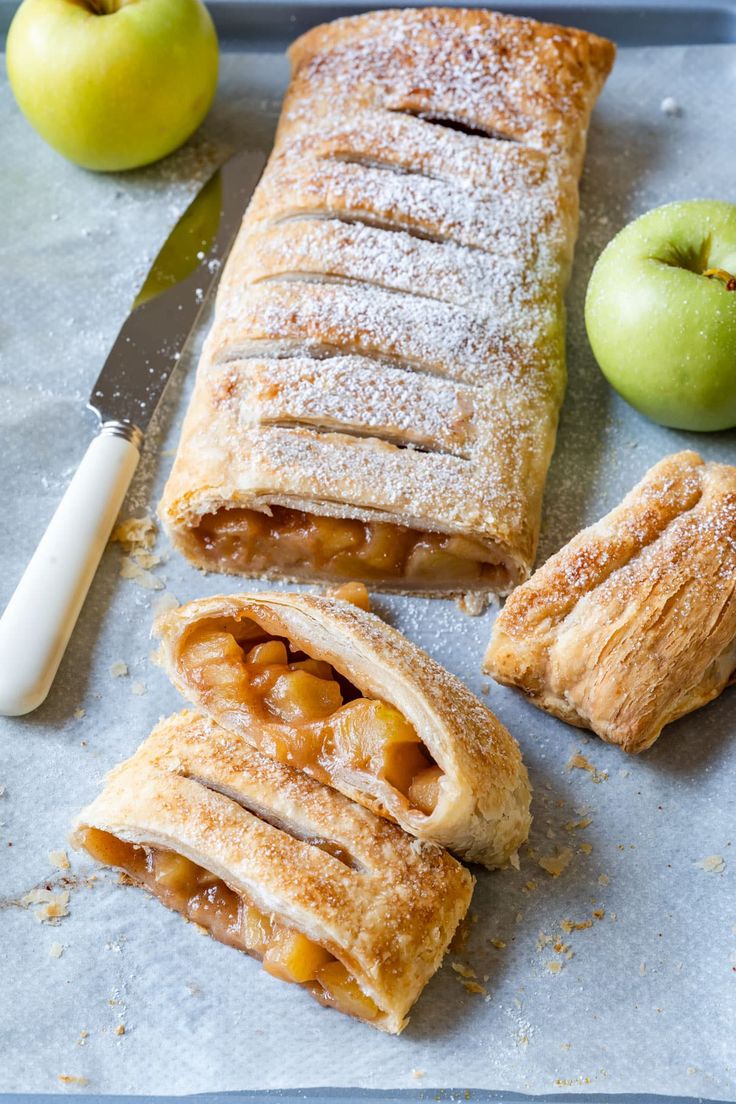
(378, 396)
(379, 720)
(274, 863)
(633, 623)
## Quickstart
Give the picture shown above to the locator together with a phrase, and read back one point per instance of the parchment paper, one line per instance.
(639, 996)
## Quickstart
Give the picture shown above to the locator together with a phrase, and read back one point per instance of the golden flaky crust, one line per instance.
(388, 342)
(389, 917)
(633, 623)
(483, 810)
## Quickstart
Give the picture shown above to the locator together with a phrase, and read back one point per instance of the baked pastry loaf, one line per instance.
(378, 396)
(269, 861)
(633, 623)
(338, 693)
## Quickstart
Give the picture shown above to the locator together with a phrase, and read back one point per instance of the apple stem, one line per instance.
(106, 7)
(721, 274)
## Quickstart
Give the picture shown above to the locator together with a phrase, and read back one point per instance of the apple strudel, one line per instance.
(273, 863)
(334, 691)
(378, 396)
(633, 623)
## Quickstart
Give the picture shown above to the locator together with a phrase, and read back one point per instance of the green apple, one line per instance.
(661, 314)
(113, 84)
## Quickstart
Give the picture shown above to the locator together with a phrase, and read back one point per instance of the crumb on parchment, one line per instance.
(579, 762)
(59, 859)
(52, 904)
(119, 668)
(135, 534)
(712, 864)
(556, 864)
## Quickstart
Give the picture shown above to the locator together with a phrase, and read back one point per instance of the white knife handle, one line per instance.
(40, 616)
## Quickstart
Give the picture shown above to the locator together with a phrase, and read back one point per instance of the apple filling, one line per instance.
(301, 712)
(310, 546)
(232, 919)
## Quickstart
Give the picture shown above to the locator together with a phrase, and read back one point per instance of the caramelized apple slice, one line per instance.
(216, 657)
(424, 789)
(430, 563)
(342, 990)
(318, 667)
(292, 957)
(299, 698)
(175, 871)
(372, 735)
(353, 592)
(269, 653)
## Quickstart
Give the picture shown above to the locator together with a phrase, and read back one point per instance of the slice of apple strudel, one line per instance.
(378, 396)
(633, 623)
(334, 691)
(273, 863)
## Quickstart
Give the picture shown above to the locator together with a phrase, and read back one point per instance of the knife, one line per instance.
(39, 619)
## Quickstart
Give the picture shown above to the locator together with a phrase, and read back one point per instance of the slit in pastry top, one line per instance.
(333, 691)
(363, 937)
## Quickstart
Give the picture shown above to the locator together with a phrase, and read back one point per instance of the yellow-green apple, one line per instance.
(113, 84)
(661, 314)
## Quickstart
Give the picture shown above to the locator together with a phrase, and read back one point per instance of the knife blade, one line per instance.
(146, 351)
(42, 612)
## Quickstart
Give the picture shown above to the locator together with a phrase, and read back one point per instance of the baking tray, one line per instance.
(272, 24)
(261, 25)
(267, 24)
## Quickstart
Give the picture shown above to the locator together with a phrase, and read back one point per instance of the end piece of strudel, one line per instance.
(633, 623)
(336, 692)
(271, 862)
(378, 396)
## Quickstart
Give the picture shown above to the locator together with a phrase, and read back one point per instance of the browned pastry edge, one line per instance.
(633, 623)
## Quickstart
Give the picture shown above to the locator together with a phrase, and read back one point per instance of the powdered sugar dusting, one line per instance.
(384, 236)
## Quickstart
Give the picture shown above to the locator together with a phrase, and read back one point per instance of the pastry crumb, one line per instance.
(52, 905)
(69, 1079)
(497, 943)
(555, 966)
(59, 859)
(603, 880)
(579, 762)
(130, 569)
(712, 864)
(586, 848)
(476, 988)
(556, 864)
(120, 1029)
(135, 534)
(165, 602)
(472, 604)
(119, 668)
(575, 925)
(514, 861)
(417, 1073)
(642, 969)
(463, 970)
(56, 950)
(79, 713)
(138, 688)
